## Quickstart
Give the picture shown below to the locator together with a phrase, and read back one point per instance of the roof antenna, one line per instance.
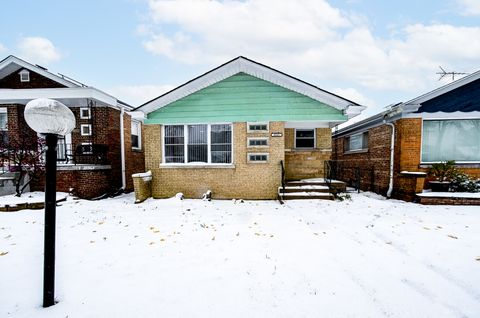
(444, 73)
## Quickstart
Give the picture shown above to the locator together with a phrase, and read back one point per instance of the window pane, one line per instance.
(174, 144)
(221, 143)
(451, 140)
(305, 138)
(356, 142)
(197, 143)
(135, 141)
(3, 121)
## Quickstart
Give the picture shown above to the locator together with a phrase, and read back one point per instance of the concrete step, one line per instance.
(307, 196)
(304, 188)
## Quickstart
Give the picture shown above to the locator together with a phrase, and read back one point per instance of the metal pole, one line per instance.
(50, 203)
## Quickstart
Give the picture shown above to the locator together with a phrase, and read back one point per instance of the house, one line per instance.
(231, 129)
(104, 149)
(441, 125)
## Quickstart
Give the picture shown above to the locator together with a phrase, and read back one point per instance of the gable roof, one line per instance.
(12, 64)
(244, 65)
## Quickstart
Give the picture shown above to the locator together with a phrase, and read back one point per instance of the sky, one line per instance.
(374, 52)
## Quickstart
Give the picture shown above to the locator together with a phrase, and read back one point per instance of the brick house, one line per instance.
(441, 125)
(92, 160)
(230, 129)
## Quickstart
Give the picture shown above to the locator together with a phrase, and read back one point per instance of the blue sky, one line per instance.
(375, 52)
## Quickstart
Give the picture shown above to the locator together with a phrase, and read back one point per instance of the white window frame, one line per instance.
(258, 123)
(363, 149)
(257, 154)
(185, 140)
(434, 118)
(88, 111)
(23, 73)
(257, 138)
(89, 126)
(314, 138)
(139, 134)
(3, 110)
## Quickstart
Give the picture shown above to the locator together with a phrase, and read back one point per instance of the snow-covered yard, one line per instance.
(367, 257)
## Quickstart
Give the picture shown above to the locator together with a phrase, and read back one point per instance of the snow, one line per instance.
(312, 187)
(29, 197)
(365, 257)
(469, 195)
(314, 180)
(306, 194)
(146, 176)
(414, 173)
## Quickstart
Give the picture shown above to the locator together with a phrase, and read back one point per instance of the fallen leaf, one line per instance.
(92, 241)
(151, 243)
(478, 259)
(213, 238)
(453, 237)
(238, 233)
(3, 253)
(315, 233)
(426, 228)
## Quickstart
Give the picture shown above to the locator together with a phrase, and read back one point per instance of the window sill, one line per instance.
(196, 166)
(136, 149)
(351, 152)
(457, 164)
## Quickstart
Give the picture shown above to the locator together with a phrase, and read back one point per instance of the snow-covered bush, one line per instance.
(462, 182)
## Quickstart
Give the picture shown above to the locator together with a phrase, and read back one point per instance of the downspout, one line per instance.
(392, 148)
(122, 147)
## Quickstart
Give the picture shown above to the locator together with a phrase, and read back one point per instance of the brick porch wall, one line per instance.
(302, 164)
(245, 180)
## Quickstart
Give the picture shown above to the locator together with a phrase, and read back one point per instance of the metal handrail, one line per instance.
(283, 181)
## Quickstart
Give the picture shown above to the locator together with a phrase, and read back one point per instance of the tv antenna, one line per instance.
(444, 73)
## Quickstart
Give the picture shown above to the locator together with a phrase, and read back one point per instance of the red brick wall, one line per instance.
(36, 81)
(16, 124)
(374, 164)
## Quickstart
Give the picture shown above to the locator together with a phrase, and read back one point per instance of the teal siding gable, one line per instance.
(244, 98)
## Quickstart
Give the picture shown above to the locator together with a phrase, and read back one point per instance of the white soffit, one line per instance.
(249, 67)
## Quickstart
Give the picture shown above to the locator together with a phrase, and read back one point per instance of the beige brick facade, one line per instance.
(301, 164)
(240, 180)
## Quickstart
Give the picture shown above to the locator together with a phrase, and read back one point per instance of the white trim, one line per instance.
(185, 145)
(22, 64)
(69, 95)
(445, 116)
(257, 146)
(22, 73)
(309, 124)
(257, 153)
(437, 119)
(253, 123)
(88, 111)
(89, 126)
(86, 144)
(197, 166)
(314, 138)
(257, 70)
(139, 123)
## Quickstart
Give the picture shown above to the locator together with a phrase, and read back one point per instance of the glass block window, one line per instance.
(258, 157)
(257, 127)
(258, 142)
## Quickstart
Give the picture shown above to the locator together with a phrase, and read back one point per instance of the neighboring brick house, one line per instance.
(229, 129)
(441, 125)
(90, 160)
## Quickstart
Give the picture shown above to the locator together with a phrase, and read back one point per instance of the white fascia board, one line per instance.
(137, 115)
(251, 68)
(20, 95)
(36, 69)
(444, 89)
(354, 110)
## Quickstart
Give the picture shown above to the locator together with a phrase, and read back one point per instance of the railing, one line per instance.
(361, 178)
(95, 154)
(283, 182)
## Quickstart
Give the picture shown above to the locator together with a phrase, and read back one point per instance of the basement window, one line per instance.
(86, 130)
(24, 76)
(257, 127)
(357, 142)
(257, 142)
(257, 157)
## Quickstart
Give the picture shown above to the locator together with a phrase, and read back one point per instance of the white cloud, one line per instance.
(308, 37)
(355, 96)
(469, 7)
(2, 48)
(38, 50)
(136, 95)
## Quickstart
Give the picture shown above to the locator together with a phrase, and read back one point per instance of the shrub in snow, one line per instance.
(180, 196)
(463, 183)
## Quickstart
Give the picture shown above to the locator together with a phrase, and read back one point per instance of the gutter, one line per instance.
(122, 147)
(392, 152)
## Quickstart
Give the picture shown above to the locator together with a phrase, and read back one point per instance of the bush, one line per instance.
(443, 171)
(462, 182)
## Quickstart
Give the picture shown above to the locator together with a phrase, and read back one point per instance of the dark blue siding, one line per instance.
(463, 99)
